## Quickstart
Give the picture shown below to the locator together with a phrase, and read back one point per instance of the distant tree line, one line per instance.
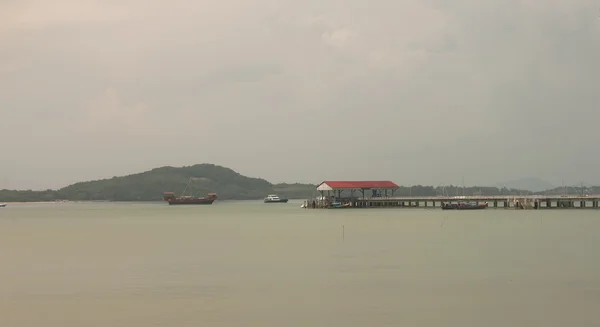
(229, 185)
(451, 190)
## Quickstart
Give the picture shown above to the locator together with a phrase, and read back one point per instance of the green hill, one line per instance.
(531, 184)
(150, 185)
(573, 190)
(228, 184)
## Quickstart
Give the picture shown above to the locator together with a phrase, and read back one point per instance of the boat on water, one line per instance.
(2, 205)
(172, 199)
(274, 198)
(339, 205)
(464, 206)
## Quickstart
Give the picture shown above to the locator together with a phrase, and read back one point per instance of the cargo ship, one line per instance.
(464, 206)
(171, 198)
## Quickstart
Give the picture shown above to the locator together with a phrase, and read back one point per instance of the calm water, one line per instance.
(251, 264)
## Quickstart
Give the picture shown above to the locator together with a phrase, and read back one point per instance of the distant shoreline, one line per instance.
(207, 178)
(123, 201)
(35, 202)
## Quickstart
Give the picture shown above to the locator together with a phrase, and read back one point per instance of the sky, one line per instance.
(416, 91)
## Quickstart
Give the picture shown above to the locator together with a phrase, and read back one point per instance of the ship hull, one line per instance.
(453, 206)
(465, 208)
(191, 202)
(343, 206)
(277, 201)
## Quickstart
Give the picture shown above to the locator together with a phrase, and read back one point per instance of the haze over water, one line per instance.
(251, 264)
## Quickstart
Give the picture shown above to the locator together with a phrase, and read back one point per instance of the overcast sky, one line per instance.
(415, 91)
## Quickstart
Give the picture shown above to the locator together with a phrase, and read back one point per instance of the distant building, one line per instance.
(377, 188)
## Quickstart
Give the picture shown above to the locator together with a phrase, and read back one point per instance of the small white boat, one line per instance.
(2, 205)
(273, 198)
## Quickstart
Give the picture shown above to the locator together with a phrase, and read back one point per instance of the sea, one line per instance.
(252, 264)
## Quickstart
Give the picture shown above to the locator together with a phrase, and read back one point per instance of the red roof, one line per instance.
(361, 184)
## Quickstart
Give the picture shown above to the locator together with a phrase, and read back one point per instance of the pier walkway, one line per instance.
(334, 194)
(496, 201)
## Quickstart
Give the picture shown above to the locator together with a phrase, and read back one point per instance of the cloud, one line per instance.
(406, 82)
(38, 14)
(339, 38)
(108, 109)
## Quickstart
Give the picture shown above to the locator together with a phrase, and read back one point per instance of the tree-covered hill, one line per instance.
(229, 185)
(150, 185)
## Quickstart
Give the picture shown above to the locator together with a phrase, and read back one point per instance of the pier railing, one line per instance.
(504, 201)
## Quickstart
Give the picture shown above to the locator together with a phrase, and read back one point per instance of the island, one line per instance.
(227, 183)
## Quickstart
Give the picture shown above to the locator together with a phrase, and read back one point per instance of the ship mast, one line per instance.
(186, 186)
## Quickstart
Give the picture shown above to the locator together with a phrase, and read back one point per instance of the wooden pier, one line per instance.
(338, 195)
(494, 202)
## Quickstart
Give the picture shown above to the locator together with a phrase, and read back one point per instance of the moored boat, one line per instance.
(339, 205)
(273, 198)
(171, 198)
(2, 205)
(464, 206)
